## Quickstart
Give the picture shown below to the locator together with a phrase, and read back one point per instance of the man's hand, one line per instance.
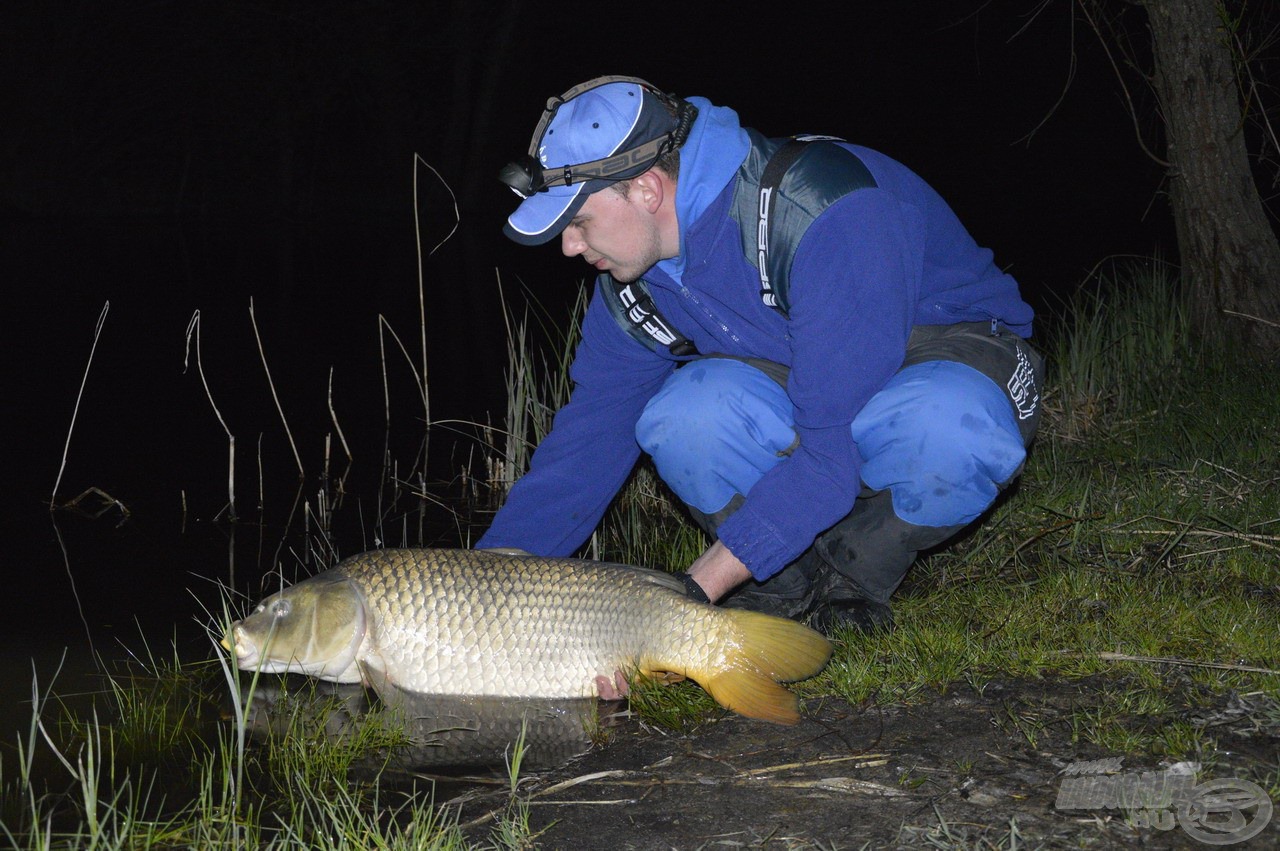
(718, 571)
(615, 689)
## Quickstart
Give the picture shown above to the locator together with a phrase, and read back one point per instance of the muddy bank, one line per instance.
(960, 769)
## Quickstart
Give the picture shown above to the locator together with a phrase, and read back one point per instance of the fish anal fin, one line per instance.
(754, 695)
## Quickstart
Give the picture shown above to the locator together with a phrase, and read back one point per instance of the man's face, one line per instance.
(614, 235)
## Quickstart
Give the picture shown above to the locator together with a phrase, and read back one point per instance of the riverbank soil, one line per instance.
(995, 767)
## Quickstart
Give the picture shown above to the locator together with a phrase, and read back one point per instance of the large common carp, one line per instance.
(476, 622)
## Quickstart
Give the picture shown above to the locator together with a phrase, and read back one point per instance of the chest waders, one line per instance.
(852, 569)
(858, 563)
(848, 575)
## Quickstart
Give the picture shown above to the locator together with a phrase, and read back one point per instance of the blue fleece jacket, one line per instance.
(873, 265)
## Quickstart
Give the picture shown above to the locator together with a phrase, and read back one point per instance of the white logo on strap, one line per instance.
(1022, 387)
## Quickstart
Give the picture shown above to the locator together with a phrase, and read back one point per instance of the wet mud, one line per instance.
(960, 769)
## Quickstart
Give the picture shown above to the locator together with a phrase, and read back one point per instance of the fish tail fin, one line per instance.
(769, 650)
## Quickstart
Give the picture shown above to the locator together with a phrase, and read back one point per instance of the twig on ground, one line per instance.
(1252, 317)
(625, 777)
(1065, 524)
(870, 760)
(1271, 542)
(1108, 656)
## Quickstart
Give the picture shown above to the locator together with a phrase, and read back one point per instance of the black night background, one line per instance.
(170, 158)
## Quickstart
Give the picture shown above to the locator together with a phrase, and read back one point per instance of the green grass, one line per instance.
(291, 788)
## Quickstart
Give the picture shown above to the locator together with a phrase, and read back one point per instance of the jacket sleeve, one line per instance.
(584, 460)
(853, 287)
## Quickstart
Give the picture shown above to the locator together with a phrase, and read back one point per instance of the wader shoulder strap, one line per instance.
(769, 183)
(784, 185)
(632, 306)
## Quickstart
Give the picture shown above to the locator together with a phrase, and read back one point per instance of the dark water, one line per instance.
(144, 560)
(89, 596)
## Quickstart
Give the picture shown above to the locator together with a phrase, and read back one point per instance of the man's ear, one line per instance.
(649, 190)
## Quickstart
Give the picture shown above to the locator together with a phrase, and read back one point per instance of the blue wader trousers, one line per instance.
(945, 435)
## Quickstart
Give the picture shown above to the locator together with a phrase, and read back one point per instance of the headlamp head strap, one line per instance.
(527, 175)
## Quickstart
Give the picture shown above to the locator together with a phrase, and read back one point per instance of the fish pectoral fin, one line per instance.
(666, 678)
(374, 677)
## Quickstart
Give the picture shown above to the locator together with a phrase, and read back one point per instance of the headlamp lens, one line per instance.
(524, 176)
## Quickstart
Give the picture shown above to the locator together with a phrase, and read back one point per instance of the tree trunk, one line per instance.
(1230, 254)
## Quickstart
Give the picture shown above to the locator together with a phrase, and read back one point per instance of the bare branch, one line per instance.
(1105, 40)
(1071, 69)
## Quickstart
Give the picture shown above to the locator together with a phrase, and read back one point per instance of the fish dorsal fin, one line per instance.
(648, 574)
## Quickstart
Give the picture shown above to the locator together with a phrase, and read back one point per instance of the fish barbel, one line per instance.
(477, 622)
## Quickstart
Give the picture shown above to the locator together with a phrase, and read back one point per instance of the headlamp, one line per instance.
(527, 176)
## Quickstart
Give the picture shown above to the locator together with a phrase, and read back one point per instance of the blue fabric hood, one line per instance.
(709, 159)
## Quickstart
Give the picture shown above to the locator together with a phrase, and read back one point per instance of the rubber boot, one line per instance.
(862, 561)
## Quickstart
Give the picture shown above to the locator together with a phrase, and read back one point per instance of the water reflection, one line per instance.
(443, 734)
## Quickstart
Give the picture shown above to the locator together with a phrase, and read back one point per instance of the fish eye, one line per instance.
(280, 608)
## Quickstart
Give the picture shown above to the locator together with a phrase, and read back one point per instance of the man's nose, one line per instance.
(571, 243)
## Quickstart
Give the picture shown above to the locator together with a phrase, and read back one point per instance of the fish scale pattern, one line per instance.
(481, 623)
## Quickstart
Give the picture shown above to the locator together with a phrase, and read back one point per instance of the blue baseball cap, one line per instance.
(597, 133)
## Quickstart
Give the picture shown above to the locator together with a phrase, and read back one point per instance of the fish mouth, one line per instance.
(245, 651)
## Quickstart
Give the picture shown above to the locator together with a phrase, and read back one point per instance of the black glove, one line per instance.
(692, 588)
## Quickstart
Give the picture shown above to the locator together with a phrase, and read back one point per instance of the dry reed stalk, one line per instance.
(66, 447)
(333, 415)
(296, 457)
(1251, 317)
(382, 361)
(422, 293)
(417, 378)
(75, 592)
(194, 327)
(420, 381)
(262, 487)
